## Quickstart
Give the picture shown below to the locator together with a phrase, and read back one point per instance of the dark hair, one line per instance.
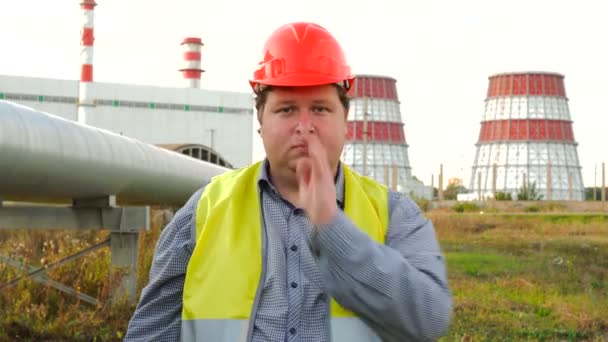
(261, 97)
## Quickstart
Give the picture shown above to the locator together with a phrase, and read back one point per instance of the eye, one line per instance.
(285, 110)
(320, 109)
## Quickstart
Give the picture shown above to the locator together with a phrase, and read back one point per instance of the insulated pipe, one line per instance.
(43, 156)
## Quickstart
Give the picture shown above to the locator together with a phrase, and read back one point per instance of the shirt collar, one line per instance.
(264, 180)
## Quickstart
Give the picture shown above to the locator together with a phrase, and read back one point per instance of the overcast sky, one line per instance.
(440, 52)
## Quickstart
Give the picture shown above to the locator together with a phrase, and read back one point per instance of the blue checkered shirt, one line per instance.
(399, 289)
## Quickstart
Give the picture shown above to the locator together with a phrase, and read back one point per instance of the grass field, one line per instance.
(526, 277)
(535, 276)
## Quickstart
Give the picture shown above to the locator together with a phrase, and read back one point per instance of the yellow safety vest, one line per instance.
(224, 272)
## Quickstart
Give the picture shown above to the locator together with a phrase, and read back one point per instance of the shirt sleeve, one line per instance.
(157, 316)
(399, 288)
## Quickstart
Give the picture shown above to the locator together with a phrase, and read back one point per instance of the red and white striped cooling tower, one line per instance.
(375, 143)
(526, 136)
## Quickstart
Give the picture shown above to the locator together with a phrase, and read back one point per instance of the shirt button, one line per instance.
(294, 284)
(294, 248)
(292, 331)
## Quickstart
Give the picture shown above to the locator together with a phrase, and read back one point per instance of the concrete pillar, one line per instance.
(124, 248)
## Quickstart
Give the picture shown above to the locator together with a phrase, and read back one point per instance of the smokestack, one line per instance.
(85, 102)
(192, 61)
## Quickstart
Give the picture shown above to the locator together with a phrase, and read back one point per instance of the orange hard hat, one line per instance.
(302, 54)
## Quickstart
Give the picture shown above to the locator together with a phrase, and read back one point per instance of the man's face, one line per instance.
(291, 113)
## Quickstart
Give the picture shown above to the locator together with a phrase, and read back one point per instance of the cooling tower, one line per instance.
(526, 138)
(376, 145)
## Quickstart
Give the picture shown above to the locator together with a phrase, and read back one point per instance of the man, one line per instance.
(297, 247)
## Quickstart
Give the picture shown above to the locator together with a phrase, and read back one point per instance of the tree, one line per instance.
(529, 193)
(452, 190)
(598, 194)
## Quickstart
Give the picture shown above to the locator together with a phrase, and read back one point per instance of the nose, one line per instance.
(304, 124)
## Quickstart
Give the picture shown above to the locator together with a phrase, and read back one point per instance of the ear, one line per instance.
(260, 122)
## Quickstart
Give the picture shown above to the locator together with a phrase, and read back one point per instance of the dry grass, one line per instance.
(526, 277)
(35, 312)
(514, 277)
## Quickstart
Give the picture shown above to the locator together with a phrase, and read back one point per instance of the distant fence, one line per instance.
(568, 206)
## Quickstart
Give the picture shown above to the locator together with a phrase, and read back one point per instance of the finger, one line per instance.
(318, 156)
(303, 172)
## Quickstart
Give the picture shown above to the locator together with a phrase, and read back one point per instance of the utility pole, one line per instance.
(595, 182)
(211, 138)
(440, 190)
(570, 183)
(395, 177)
(479, 186)
(494, 173)
(603, 183)
(386, 176)
(526, 188)
(549, 182)
(432, 186)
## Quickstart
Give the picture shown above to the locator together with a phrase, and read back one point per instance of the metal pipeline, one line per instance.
(46, 157)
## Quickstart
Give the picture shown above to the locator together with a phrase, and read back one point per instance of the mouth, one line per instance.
(299, 148)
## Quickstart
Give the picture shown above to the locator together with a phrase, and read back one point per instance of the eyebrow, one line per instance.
(292, 102)
(323, 101)
(284, 102)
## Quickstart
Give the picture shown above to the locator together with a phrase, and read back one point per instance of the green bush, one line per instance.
(465, 207)
(529, 193)
(423, 203)
(503, 196)
(532, 209)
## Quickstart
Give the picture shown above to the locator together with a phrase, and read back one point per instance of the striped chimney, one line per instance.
(526, 138)
(192, 61)
(85, 102)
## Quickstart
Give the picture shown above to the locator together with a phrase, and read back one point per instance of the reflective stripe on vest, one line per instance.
(225, 268)
(235, 330)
